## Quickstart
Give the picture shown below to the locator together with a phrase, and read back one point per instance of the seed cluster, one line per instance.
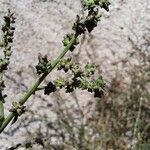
(8, 32)
(81, 78)
(7, 38)
(42, 64)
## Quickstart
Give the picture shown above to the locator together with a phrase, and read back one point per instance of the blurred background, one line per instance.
(120, 45)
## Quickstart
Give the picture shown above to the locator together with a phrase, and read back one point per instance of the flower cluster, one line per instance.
(80, 79)
(42, 64)
(67, 40)
(8, 32)
(91, 20)
(88, 4)
(7, 38)
(89, 23)
(104, 4)
(17, 109)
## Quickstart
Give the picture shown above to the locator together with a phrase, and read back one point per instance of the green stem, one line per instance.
(1, 112)
(38, 82)
(1, 102)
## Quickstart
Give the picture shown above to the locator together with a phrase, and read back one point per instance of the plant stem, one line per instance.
(1, 112)
(136, 125)
(1, 102)
(33, 88)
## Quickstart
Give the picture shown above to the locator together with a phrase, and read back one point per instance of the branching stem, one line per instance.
(34, 87)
